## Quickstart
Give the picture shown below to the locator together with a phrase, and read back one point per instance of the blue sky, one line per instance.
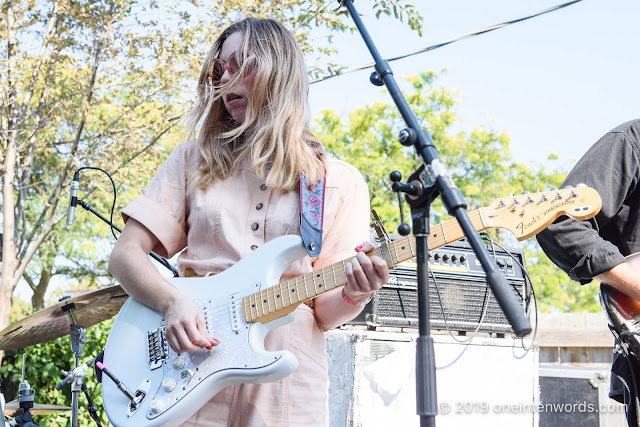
(555, 83)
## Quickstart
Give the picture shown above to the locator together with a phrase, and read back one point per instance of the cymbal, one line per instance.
(53, 322)
(12, 409)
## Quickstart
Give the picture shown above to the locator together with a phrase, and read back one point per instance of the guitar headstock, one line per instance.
(529, 213)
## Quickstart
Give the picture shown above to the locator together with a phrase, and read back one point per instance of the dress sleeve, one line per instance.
(350, 225)
(162, 207)
(611, 167)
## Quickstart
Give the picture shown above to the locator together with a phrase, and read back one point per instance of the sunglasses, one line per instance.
(217, 69)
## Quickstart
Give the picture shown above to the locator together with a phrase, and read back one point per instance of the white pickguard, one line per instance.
(240, 357)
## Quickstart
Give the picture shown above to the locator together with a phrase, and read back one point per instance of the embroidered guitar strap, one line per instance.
(311, 214)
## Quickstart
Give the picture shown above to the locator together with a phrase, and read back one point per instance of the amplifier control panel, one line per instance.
(460, 258)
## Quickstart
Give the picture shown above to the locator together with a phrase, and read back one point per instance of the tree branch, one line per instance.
(26, 277)
(55, 196)
(38, 63)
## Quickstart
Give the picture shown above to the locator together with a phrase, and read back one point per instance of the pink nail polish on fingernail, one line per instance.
(358, 248)
(215, 341)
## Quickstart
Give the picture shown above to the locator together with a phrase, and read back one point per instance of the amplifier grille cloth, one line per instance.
(462, 301)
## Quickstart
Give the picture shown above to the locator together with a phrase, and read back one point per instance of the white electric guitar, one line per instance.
(246, 301)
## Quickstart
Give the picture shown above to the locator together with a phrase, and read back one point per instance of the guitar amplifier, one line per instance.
(459, 297)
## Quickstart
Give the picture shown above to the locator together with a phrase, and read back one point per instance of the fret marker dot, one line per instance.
(293, 290)
(253, 305)
(435, 235)
(318, 275)
(402, 247)
(265, 301)
(277, 296)
(320, 285)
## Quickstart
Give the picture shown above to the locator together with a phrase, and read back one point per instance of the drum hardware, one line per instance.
(69, 316)
(25, 400)
(76, 376)
(12, 409)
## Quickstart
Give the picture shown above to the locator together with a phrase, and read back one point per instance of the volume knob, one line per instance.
(157, 406)
(179, 362)
(168, 384)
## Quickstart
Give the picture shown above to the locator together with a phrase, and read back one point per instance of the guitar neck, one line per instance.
(281, 299)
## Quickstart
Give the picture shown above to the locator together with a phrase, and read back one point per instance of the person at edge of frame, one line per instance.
(232, 187)
(588, 250)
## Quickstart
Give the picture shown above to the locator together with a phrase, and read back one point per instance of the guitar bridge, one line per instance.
(158, 348)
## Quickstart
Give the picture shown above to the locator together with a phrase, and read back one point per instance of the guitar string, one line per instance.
(264, 294)
(446, 227)
(220, 311)
(216, 312)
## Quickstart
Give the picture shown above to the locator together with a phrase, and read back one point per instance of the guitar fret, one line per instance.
(289, 292)
(313, 282)
(444, 236)
(255, 304)
(281, 295)
(335, 281)
(395, 250)
(262, 301)
(411, 247)
(324, 279)
(267, 298)
(304, 283)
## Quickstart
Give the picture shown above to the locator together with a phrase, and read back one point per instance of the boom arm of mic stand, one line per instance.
(153, 255)
(451, 196)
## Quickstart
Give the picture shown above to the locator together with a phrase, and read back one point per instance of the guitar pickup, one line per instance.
(158, 348)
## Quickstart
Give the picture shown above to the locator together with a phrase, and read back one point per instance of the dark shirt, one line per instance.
(582, 250)
(612, 167)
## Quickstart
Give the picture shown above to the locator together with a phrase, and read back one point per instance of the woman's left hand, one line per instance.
(365, 275)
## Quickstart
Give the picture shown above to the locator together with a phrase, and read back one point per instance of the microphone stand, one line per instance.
(435, 179)
(153, 255)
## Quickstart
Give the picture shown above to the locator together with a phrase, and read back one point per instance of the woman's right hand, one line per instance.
(185, 328)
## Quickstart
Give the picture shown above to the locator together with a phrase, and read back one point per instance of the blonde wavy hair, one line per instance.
(275, 128)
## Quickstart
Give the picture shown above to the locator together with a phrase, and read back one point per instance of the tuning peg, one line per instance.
(559, 195)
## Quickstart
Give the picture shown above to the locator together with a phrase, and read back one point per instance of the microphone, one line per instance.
(73, 200)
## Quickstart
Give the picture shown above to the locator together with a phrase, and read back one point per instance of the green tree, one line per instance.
(103, 83)
(479, 161)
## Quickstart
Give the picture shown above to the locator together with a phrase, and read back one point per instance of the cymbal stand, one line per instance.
(25, 398)
(77, 374)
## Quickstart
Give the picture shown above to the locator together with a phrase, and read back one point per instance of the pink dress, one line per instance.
(217, 227)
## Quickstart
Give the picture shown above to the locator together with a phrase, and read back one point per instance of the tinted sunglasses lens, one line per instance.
(218, 70)
(232, 65)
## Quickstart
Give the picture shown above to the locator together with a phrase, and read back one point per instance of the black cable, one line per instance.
(462, 37)
(91, 407)
(113, 227)
(529, 289)
(113, 184)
